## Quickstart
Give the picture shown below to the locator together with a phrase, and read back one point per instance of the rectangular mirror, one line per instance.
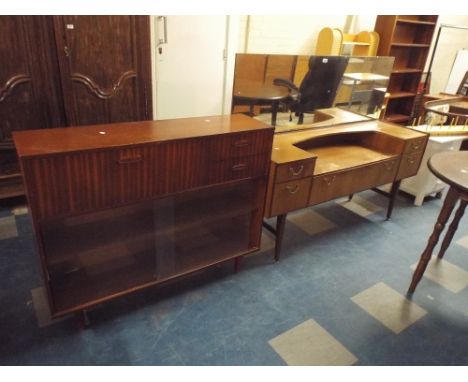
(355, 84)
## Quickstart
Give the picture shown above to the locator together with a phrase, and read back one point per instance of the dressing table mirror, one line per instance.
(361, 89)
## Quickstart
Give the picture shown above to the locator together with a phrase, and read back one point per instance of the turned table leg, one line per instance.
(447, 208)
(452, 229)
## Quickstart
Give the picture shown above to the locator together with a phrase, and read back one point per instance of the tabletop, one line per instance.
(257, 90)
(452, 168)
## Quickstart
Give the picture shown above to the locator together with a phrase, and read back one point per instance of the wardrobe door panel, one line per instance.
(105, 68)
(28, 97)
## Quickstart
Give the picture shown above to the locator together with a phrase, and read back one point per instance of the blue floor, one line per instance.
(218, 317)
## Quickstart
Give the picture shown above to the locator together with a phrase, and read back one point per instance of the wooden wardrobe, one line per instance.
(67, 71)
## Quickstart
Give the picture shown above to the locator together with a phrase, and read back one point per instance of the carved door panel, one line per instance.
(29, 94)
(105, 68)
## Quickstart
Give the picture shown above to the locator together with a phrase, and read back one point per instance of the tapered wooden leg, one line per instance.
(452, 229)
(350, 197)
(393, 194)
(83, 319)
(237, 264)
(280, 224)
(446, 211)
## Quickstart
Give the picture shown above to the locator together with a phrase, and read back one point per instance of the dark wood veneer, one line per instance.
(148, 202)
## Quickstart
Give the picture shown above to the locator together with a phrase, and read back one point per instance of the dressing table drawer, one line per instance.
(290, 196)
(334, 185)
(415, 145)
(409, 165)
(294, 170)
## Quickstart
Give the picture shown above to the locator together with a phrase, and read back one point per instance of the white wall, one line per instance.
(450, 41)
(293, 34)
(298, 34)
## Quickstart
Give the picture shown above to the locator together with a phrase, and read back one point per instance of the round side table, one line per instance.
(452, 168)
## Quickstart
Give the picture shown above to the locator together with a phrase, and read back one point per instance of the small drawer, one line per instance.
(295, 170)
(409, 165)
(240, 145)
(415, 145)
(290, 196)
(238, 168)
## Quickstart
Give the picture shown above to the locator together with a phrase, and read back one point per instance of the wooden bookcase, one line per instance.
(407, 38)
(121, 207)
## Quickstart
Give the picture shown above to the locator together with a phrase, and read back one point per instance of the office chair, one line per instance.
(318, 88)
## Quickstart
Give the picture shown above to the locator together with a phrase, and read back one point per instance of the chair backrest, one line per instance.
(319, 86)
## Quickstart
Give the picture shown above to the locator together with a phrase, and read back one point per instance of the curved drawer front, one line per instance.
(333, 185)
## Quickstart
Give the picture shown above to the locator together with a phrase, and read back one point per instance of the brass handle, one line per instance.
(241, 143)
(130, 160)
(296, 173)
(415, 145)
(292, 190)
(329, 180)
(389, 166)
(239, 167)
(411, 160)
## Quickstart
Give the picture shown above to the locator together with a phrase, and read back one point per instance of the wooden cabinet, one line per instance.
(408, 39)
(120, 207)
(69, 70)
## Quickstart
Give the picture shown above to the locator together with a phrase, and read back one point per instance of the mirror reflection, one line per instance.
(295, 91)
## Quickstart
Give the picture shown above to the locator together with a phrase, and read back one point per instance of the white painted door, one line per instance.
(190, 65)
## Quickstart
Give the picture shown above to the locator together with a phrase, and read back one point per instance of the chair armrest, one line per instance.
(287, 83)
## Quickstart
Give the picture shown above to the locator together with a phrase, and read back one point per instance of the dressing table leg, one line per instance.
(452, 229)
(280, 224)
(393, 193)
(445, 212)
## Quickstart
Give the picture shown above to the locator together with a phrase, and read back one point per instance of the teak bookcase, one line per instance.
(408, 39)
(121, 207)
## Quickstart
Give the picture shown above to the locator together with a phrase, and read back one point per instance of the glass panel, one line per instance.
(98, 254)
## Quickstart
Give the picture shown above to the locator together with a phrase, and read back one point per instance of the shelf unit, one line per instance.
(121, 207)
(408, 39)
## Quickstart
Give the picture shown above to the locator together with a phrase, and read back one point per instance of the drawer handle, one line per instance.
(239, 167)
(329, 180)
(415, 146)
(389, 166)
(292, 190)
(411, 160)
(241, 143)
(130, 160)
(296, 173)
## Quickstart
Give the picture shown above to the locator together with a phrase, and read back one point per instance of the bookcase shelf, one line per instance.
(408, 39)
